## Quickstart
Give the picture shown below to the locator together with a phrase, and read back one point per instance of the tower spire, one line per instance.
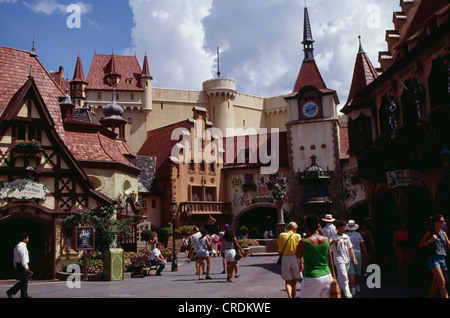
(308, 41)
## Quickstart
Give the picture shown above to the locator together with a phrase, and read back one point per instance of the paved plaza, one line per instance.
(259, 279)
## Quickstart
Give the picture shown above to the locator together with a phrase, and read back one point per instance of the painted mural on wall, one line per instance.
(245, 195)
(354, 190)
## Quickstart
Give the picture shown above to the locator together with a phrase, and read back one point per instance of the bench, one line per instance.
(141, 267)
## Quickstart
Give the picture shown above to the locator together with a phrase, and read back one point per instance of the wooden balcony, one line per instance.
(205, 207)
(414, 148)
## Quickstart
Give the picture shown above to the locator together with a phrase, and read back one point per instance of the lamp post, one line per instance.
(173, 209)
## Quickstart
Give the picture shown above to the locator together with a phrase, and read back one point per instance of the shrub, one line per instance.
(243, 231)
(146, 235)
(163, 234)
(185, 230)
(254, 232)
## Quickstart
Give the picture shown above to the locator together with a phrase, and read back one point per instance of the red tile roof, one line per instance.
(363, 74)
(14, 69)
(159, 145)
(58, 77)
(78, 74)
(125, 66)
(84, 142)
(309, 75)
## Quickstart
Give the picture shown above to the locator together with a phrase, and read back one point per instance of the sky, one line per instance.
(259, 40)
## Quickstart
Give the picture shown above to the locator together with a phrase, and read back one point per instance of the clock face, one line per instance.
(310, 109)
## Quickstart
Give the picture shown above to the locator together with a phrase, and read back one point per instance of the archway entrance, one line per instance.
(386, 220)
(360, 213)
(418, 207)
(40, 249)
(263, 218)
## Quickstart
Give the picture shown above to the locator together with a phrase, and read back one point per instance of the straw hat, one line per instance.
(352, 226)
(328, 218)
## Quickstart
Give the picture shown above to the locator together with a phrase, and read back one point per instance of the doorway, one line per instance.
(261, 218)
(39, 247)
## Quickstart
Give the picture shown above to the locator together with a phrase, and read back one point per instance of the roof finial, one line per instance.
(33, 49)
(361, 50)
(218, 64)
(30, 74)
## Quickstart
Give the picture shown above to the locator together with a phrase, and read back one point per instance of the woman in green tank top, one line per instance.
(313, 251)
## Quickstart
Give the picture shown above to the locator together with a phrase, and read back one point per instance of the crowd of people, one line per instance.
(340, 248)
(314, 258)
(200, 246)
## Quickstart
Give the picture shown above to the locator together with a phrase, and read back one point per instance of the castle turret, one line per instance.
(222, 93)
(78, 85)
(146, 83)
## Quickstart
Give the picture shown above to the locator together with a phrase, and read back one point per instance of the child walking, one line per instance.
(342, 249)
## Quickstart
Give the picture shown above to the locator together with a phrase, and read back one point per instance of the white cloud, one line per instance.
(260, 41)
(53, 7)
(172, 34)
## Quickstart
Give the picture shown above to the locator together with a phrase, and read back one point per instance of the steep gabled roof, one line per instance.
(159, 145)
(15, 67)
(84, 139)
(363, 74)
(125, 66)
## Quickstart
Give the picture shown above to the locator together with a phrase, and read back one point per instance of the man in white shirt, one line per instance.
(20, 262)
(156, 258)
(329, 229)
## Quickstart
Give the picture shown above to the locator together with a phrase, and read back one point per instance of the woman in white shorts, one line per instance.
(230, 243)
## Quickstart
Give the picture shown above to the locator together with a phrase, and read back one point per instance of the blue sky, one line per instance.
(259, 40)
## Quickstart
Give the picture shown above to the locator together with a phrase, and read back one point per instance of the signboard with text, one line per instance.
(84, 238)
(23, 189)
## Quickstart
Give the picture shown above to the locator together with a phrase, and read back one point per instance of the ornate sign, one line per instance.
(23, 189)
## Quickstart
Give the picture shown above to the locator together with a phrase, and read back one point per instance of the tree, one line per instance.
(147, 235)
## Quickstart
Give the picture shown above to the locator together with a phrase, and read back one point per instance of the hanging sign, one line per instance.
(23, 189)
(403, 178)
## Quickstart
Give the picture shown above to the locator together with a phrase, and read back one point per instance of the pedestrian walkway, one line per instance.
(259, 279)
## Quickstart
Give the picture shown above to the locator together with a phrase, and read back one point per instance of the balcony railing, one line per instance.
(205, 207)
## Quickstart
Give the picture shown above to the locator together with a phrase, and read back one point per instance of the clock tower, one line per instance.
(313, 139)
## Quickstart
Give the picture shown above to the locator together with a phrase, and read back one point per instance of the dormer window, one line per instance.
(129, 81)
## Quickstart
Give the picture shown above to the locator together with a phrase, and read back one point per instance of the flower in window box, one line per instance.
(26, 148)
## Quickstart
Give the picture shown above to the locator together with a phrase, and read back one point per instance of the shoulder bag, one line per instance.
(281, 255)
(335, 292)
